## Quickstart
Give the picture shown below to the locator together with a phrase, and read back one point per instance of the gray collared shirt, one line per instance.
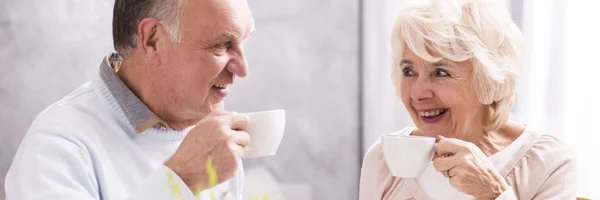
(138, 114)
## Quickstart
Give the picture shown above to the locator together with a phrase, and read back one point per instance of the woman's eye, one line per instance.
(408, 72)
(441, 73)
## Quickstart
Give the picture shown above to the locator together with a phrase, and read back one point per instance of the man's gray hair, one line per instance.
(127, 14)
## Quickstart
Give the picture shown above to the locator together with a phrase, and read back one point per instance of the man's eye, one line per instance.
(225, 45)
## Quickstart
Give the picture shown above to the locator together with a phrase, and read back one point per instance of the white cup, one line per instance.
(407, 156)
(266, 131)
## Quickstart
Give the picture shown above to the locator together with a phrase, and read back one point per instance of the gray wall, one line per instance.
(303, 58)
(47, 49)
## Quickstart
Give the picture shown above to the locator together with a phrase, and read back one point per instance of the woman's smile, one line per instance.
(432, 115)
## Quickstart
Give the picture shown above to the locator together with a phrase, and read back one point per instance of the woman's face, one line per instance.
(440, 96)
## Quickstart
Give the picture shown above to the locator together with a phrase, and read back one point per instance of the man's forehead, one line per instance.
(218, 8)
(224, 18)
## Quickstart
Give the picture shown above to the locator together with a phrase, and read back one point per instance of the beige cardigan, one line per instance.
(543, 168)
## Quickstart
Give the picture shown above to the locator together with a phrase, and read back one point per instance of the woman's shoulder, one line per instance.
(547, 166)
(375, 176)
(374, 155)
(550, 147)
(546, 153)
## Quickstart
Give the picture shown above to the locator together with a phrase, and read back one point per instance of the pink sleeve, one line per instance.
(374, 174)
(547, 171)
(561, 181)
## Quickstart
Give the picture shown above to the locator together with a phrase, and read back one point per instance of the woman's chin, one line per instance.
(430, 134)
(431, 131)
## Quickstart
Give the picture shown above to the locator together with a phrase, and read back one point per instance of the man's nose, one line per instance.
(238, 64)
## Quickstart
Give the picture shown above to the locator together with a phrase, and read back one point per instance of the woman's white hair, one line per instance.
(478, 31)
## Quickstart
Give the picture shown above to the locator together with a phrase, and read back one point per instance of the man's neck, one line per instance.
(133, 74)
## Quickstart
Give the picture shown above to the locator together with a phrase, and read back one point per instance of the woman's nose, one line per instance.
(421, 90)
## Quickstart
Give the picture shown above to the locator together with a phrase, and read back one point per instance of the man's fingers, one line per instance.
(218, 113)
(237, 150)
(240, 138)
(240, 121)
(236, 121)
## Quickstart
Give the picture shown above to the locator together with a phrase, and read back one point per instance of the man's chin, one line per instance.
(218, 107)
(207, 110)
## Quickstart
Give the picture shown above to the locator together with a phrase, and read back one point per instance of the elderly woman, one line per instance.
(455, 67)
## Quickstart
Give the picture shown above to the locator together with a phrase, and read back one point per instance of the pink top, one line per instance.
(542, 168)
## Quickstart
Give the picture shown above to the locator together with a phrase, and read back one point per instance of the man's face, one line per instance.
(195, 72)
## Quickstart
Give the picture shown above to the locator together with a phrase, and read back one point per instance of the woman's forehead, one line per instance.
(409, 54)
(429, 56)
(410, 58)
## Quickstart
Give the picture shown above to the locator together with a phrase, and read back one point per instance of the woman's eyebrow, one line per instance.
(406, 62)
(443, 63)
(439, 64)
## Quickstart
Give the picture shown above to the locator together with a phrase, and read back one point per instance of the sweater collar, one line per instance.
(140, 117)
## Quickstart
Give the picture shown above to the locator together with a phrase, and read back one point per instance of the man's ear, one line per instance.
(147, 40)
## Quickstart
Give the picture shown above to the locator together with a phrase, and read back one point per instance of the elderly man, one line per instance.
(149, 124)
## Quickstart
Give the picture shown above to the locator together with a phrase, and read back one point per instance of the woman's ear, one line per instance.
(490, 116)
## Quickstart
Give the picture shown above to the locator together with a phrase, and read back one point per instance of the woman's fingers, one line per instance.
(451, 153)
(450, 146)
(442, 164)
(455, 182)
(452, 172)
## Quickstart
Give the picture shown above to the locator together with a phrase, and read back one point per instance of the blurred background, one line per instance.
(326, 63)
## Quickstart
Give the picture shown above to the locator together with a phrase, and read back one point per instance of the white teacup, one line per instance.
(407, 156)
(266, 131)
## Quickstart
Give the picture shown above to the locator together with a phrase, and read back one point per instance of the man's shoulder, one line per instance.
(81, 108)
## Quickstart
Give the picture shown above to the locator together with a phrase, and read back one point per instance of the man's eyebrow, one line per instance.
(232, 35)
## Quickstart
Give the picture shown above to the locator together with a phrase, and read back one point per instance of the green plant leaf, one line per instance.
(173, 186)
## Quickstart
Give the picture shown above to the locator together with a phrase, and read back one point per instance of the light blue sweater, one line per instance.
(83, 147)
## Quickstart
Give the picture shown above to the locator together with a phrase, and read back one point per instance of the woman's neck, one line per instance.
(491, 142)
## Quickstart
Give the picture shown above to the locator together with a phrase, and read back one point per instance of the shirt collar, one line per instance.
(137, 113)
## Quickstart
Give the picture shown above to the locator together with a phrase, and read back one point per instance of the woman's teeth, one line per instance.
(432, 113)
